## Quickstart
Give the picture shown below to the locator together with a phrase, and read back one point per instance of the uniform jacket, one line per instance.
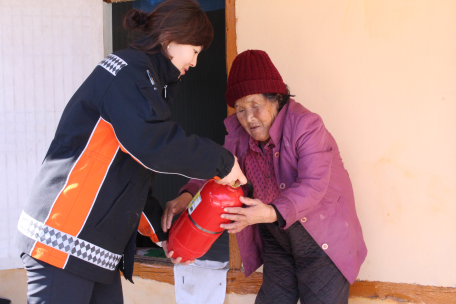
(315, 188)
(90, 195)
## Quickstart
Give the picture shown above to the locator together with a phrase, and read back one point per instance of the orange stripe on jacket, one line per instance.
(75, 202)
(146, 229)
(49, 255)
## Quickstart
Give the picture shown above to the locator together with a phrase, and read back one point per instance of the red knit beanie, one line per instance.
(253, 72)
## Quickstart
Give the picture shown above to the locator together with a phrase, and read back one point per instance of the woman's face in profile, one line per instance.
(256, 114)
(183, 56)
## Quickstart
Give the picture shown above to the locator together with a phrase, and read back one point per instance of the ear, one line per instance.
(165, 49)
(164, 40)
(278, 100)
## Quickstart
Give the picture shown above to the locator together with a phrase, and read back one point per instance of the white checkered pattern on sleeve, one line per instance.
(67, 243)
(113, 64)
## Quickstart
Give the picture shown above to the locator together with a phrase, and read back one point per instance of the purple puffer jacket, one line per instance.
(315, 188)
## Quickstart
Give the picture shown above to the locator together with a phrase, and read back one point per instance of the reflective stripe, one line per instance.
(66, 243)
(199, 227)
(99, 188)
(113, 64)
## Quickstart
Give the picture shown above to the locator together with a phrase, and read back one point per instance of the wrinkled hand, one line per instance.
(255, 213)
(170, 255)
(234, 176)
(174, 207)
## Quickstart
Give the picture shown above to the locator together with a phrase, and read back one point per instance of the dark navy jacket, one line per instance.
(90, 195)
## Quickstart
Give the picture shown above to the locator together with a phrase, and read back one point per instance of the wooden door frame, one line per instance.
(231, 53)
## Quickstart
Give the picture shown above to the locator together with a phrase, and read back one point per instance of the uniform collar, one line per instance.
(166, 71)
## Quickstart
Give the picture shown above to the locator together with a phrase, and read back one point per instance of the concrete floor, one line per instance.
(13, 285)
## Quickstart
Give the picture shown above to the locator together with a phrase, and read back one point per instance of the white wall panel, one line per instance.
(47, 49)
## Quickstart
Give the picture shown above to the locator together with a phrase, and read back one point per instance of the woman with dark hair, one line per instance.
(92, 193)
(301, 222)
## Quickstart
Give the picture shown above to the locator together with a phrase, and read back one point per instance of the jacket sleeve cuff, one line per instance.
(226, 165)
(162, 236)
(280, 221)
(286, 209)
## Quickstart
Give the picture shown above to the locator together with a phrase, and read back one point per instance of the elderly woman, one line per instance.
(301, 223)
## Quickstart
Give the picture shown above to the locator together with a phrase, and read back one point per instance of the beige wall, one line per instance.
(13, 285)
(382, 74)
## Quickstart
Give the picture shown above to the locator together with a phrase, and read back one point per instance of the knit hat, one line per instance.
(253, 72)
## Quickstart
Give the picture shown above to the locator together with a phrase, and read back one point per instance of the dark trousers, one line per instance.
(52, 285)
(295, 267)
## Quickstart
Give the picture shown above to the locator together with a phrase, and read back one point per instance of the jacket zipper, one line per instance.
(165, 89)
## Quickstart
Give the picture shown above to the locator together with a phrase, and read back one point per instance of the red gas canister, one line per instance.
(198, 226)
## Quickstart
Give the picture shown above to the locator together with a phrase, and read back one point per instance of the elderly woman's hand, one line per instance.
(255, 213)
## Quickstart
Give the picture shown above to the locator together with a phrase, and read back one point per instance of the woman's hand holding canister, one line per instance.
(173, 208)
(255, 213)
(169, 255)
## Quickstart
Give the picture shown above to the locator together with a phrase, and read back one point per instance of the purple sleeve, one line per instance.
(314, 169)
(192, 187)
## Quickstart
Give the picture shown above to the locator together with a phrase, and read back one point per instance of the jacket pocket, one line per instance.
(342, 224)
(112, 212)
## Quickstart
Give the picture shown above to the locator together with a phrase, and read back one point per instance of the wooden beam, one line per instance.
(235, 256)
(237, 283)
(159, 273)
(402, 292)
(236, 280)
(230, 21)
(231, 46)
(231, 53)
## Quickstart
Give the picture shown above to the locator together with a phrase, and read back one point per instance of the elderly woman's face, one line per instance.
(256, 114)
